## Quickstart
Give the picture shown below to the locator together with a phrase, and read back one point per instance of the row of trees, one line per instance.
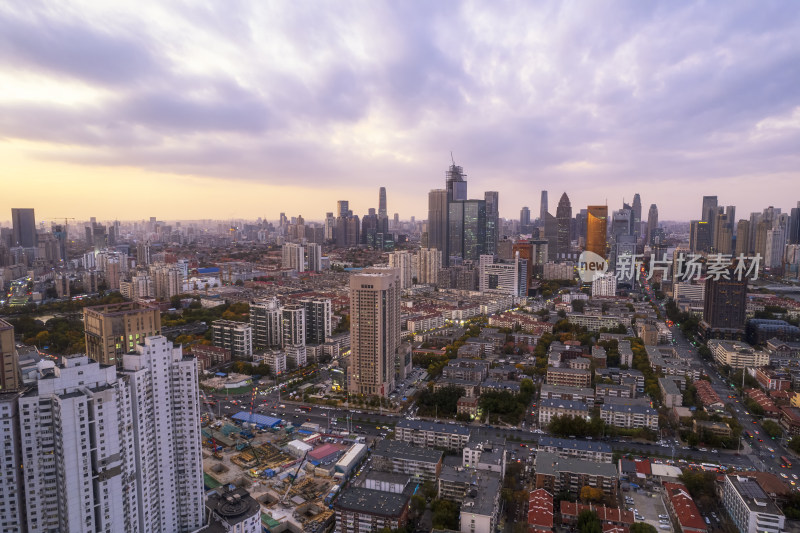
(442, 402)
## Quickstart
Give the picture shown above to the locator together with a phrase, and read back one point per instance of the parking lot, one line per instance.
(650, 506)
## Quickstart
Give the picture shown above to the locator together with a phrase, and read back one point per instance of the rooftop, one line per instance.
(549, 463)
(423, 425)
(574, 444)
(371, 501)
(753, 495)
(553, 403)
(402, 450)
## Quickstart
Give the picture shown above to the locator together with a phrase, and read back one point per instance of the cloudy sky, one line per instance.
(237, 109)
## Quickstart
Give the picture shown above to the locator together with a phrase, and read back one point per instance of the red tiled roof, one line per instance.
(540, 509)
(320, 452)
(685, 509)
(643, 467)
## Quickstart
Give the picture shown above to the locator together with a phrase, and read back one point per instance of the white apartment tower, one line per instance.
(314, 253)
(293, 257)
(402, 262)
(294, 325)
(76, 457)
(11, 489)
(93, 449)
(165, 419)
(428, 264)
(374, 330)
(266, 318)
(604, 285)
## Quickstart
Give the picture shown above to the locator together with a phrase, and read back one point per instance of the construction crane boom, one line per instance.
(291, 482)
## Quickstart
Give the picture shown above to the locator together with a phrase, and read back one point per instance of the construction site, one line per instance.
(294, 473)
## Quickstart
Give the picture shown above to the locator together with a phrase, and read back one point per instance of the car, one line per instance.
(784, 476)
(794, 476)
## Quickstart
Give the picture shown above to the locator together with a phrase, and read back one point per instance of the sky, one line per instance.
(244, 109)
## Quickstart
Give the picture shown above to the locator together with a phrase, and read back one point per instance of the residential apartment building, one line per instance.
(549, 409)
(237, 337)
(359, 509)
(101, 449)
(671, 394)
(466, 369)
(558, 474)
(586, 450)
(751, 510)
(12, 507)
(737, 354)
(432, 435)
(115, 329)
(629, 416)
(402, 458)
(564, 392)
(266, 323)
(480, 508)
(568, 376)
(486, 456)
(682, 509)
(318, 319)
(374, 331)
(9, 362)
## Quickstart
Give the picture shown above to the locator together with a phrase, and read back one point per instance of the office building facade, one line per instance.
(115, 329)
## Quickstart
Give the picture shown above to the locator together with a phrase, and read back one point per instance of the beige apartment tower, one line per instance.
(115, 329)
(374, 331)
(9, 366)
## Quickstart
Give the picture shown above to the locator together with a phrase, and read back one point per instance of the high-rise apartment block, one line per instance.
(9, 362)
(604, 285)
(509, 277)
(428, 264)
(318, 319)
(293, 318)
(266, 322)
(314, 253)
(91, 448)
(115, 329)
(167, 281)
(374, 331)
(236, 337)
(293, 257)
(402, 261)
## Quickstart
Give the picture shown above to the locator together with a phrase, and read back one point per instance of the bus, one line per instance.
(305, 408)
(748, 434)
(786, 462)
(709, 467)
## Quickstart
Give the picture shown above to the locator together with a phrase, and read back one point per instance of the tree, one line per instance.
(772, 429)
(418, 504)
(642, 527)
(591, 494)
(445, 514)
(589, 523)
(794, 444)
(578, 305)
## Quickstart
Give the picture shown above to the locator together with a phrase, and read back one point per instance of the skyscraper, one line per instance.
(637, 215)
(437, 221)
(23, 228)
(382, 203)
(724, 309)
(700, 236)
(9, 364)
(492, 221)
(709, 208)
(456, 183)
(563, 220)
(743, 237)
(374, 331)
(524, 219)
(723, 233)
(293, 257)
(429, 261)
(543, 207)
(623, 241)
(596, 229)
(466, 229)
(794, 225)
(652, 224)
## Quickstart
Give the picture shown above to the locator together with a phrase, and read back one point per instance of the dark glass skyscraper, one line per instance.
(543, 208)
(437, 222)
(382, 202)
(652, 223)
(492, 199)
(724, 309)
(24, 228)
(637, 215)
(563, 220)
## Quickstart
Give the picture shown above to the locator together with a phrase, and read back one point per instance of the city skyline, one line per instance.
(531, 96)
